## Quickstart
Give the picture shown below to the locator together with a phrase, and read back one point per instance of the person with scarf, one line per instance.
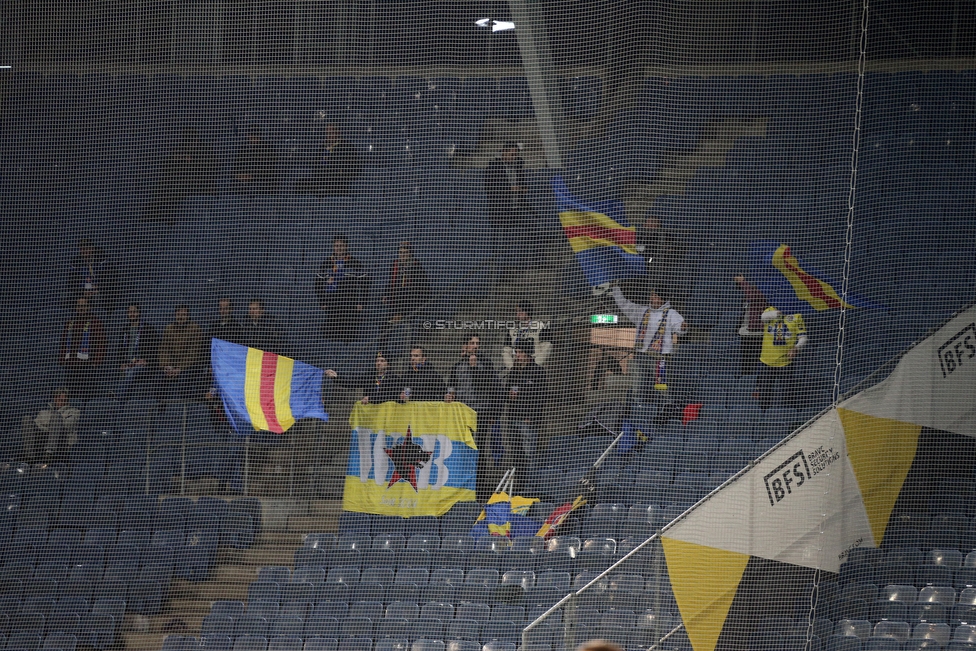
(527, 399)
(341, 288)
(82, 350)
(658, 328)
(784, 336)
(526, 328)
(408, 285)
(137, 353)
(91, 274)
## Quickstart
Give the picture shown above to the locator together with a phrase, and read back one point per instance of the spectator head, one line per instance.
(86, 249)
(182, 313)
(60, 397)
(652, 223)
(524, 310)
(254, 134)
(382, 365)
(598, 645)
(340, 246)
(134, 311)
(332, 134)
(471, 345)
(82, 308)
(405, 251)
(418, 357)
(524, 350)
(657, 297)
(255, 308)
(225, 307)
(509, 152)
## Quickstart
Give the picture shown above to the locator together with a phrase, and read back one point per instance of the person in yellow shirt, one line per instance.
(784, 336)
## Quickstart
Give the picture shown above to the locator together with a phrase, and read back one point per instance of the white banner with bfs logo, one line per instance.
(800, 504)
(934, 384)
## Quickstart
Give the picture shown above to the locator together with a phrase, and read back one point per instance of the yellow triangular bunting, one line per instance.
(881, 452)
(704, 580)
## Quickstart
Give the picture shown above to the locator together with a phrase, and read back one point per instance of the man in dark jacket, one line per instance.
(92, 275)
(191, 169)
(261, 330)
(256, 165)
(336, 167)
(181, 357)
(527, 401)
(421, 381)
(505, 185)
(408, 285)
(225, 326)
(137, 355)
(382, 386)
(341, 288)
(514, 239)
(475, 382)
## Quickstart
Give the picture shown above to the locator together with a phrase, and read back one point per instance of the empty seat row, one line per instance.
(285, 643)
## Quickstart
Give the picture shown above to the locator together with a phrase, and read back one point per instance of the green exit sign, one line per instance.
(603, 318)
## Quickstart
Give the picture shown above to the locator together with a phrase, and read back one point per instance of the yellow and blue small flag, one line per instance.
(506, 517)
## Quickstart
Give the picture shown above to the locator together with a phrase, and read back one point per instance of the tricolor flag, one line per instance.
(601, 238)
(263, 391)
(794, 287)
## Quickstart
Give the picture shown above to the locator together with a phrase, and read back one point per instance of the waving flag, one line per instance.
(601, 238)
(506, 517)
(792, 286)
(263, 391)
(417, 458)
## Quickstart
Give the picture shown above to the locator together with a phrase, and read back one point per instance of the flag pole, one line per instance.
(587, 481)
(247, 462)
(510, 471)
(610, 448)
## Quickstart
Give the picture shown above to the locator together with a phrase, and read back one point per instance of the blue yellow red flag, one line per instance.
(604, 243)
(417, 458)
(792, 286)
(262, 391)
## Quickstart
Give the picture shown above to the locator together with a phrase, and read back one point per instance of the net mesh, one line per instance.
(281, 274)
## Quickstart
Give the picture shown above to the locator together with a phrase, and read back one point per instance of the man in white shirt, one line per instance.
(658, 329)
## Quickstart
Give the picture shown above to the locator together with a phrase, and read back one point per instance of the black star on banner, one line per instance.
(407, 457)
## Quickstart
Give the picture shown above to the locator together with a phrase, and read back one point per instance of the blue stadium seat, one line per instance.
(216, 643)
(321, 644)
(250, 643)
